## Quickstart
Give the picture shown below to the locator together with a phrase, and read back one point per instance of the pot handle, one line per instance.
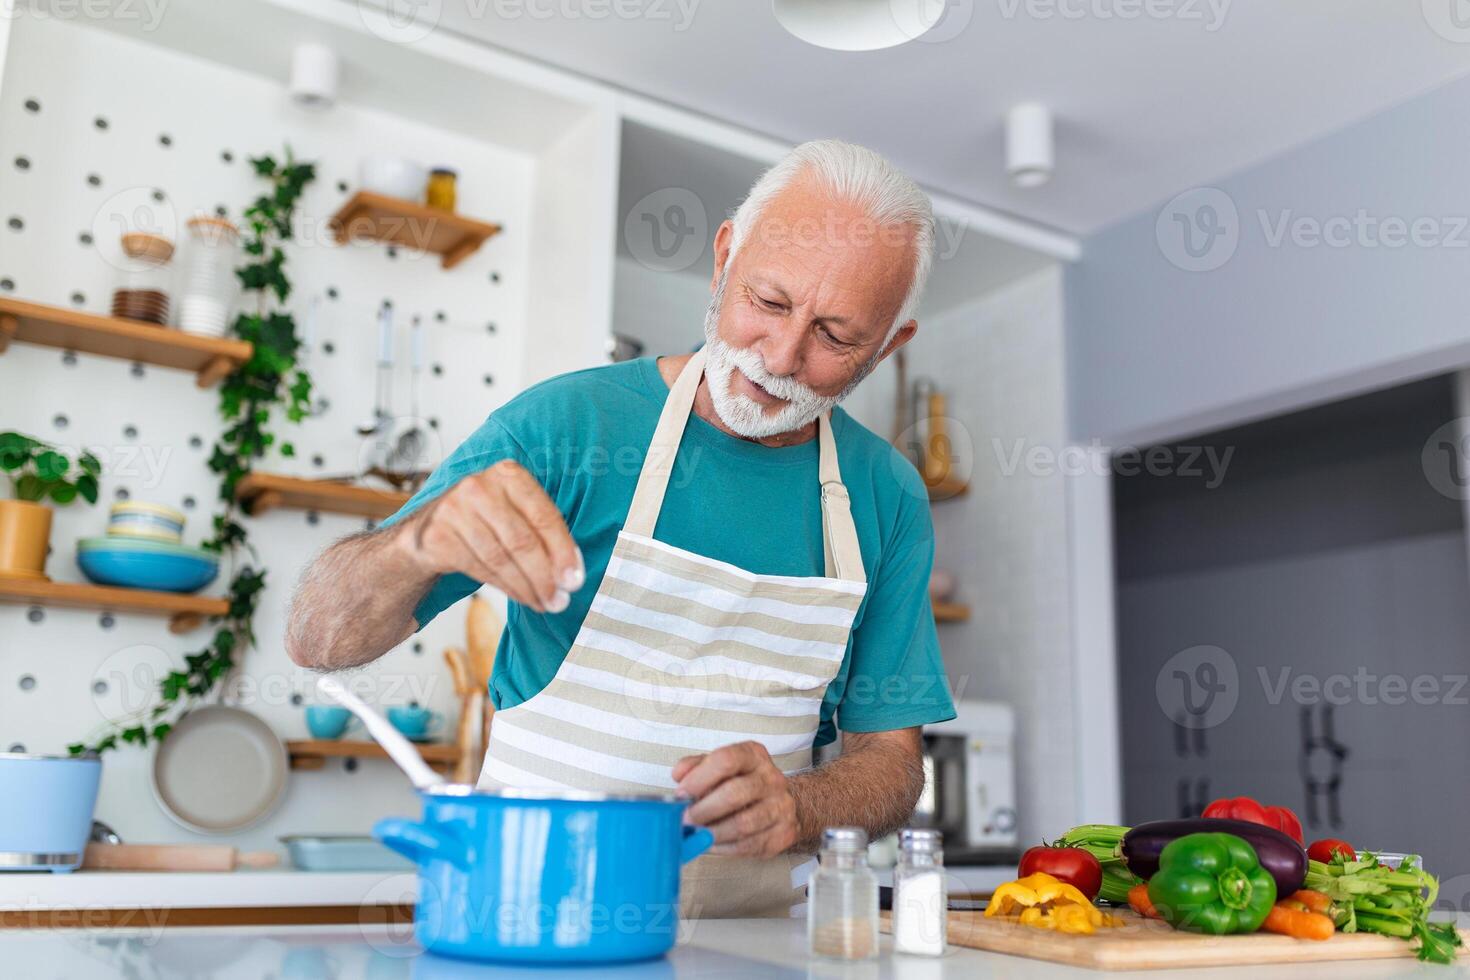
(421, 844)
(697, 840)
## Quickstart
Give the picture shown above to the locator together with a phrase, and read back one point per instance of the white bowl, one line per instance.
(395, 176)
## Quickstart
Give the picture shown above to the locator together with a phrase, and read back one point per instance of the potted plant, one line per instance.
(37, 472)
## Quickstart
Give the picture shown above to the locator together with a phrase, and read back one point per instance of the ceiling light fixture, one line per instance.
(313, 76)
(1030, 149)
(857, 25)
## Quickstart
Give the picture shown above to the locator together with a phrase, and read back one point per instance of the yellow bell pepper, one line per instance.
(1043, 902)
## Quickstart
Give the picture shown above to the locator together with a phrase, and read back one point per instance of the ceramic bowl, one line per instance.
(394, 176)
(140, 563)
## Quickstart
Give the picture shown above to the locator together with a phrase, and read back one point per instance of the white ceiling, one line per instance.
(965, 266)
(1146, 106)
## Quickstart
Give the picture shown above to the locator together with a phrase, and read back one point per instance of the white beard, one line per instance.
(744, 415)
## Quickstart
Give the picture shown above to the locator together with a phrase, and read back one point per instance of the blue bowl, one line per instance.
(522, 876)
(48, 826)
(138, 563)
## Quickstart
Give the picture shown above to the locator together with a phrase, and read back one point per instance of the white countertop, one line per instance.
(42, 891)
(277, 888)
(709, 950)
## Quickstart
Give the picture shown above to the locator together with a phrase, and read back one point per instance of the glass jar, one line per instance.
(842, 898)
(142, 291)
(920, 896)
(207, 282)
(440, 193)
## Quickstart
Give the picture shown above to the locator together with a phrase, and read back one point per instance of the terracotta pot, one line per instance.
(25, 531)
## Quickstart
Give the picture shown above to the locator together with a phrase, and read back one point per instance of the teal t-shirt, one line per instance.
(584, 436)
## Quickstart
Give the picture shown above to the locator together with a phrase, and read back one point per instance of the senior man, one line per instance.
(758, 578)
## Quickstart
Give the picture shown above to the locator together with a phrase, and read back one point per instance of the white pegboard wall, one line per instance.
(92, 124)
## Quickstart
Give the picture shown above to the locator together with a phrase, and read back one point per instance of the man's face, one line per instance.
(802, 311)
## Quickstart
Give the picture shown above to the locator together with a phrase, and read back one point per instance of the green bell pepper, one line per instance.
(1212, 883)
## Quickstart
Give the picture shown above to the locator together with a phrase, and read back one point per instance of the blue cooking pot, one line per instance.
(527, 876)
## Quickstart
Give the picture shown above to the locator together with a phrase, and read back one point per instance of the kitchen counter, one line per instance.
(282, 888)
(723, 949)
(271, 888)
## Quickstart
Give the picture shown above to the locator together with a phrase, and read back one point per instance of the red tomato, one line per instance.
(1322, 850)
(1072, 865)
(1245, 808)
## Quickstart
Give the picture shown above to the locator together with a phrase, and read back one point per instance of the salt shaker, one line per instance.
(842, 898)
(919, 894)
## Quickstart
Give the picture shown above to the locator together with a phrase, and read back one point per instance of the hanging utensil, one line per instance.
(381, 414)
(399, 748)
(409, 445)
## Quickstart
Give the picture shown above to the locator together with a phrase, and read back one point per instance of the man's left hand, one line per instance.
(742, 798)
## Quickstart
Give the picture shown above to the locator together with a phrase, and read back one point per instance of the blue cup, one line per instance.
(327, 720)
(415, 722)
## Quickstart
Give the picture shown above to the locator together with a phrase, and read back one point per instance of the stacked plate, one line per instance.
(144, 549)
(130, 519)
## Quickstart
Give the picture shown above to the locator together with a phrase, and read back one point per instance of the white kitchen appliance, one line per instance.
(970, 783)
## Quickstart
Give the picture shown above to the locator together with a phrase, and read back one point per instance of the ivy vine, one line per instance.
(249, 399)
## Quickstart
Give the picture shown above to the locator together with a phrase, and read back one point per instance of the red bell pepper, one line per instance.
(1245, 808)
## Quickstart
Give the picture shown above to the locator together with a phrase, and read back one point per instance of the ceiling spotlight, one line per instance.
(857, 25)
(1030, 154)
(313, 76)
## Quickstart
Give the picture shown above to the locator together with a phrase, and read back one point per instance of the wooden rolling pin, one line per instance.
(174, 857)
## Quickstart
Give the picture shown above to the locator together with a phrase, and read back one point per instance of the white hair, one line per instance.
(857, 175)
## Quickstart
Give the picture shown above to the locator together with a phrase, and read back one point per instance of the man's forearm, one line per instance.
(356, 600)
(874, 784)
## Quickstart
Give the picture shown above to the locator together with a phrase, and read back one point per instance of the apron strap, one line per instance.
(653, 479)
(844, 559)
(842, 556)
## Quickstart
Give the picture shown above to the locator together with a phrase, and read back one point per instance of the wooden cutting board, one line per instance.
(1142, 944)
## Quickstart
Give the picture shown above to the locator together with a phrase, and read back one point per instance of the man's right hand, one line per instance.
(499, 527)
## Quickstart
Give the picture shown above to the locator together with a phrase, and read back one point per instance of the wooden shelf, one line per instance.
(185, 612)
(951, 612)
(394, 221)
(314, 753)
(948, 488)
(209, 358)
(260, 492)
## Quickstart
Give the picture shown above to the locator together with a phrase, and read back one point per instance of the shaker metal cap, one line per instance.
(845, 838)
(920, 839)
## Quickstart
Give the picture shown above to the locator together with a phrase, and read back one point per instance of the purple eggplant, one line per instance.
(1282, 857)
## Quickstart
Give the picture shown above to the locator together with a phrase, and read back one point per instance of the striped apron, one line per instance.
(681, 654)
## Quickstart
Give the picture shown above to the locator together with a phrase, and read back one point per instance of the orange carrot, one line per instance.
(1138, 902)
(1313, 900)
(1298, 924)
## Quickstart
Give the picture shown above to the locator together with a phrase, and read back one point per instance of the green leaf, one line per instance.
(16, 450)
(28, 486)
(89, 464)
(51, 465)
(63, 493)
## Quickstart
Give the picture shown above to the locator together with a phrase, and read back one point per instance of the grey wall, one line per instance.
(1324, 553)
(1156, 351)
